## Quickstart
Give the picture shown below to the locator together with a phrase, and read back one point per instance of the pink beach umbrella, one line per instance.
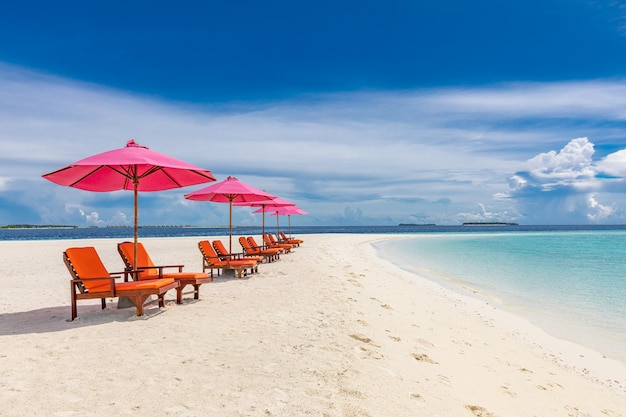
(134, 167)
(230, 191)
(284, 211)
(266, 205)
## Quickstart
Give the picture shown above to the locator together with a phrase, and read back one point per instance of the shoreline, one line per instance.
(592, 332)
(330, 329)
(493, 311)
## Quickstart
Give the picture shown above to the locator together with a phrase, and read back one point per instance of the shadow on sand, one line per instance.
(56, 319)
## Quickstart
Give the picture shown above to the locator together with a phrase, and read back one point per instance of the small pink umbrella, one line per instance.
(133, 167)
(230, 191)
(276, 202)
(283, 211)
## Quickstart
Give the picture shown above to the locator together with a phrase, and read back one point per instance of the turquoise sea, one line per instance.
(569, 280)
(570, 283)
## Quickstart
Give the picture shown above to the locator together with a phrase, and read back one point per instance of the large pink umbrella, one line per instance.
(230, 191)
(284, 211)
(134, 167)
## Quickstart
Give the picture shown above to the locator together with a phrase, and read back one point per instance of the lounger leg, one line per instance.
(104, 303)
(139, 300)
(196, 291)
(179, 293)
(74, 313)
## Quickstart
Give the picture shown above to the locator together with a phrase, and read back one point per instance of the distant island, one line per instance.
(37, 226)
(489, 224)
(416, 224)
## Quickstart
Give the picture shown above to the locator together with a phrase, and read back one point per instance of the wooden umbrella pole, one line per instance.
(135, 186)
(263, 221)
(230, 229)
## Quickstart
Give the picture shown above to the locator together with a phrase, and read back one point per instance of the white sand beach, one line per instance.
(329, 330)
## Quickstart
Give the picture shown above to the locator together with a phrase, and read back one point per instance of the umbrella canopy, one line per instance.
(266, 205)
(287, 211)
(283, 211)
(230, 191)
(134, 167)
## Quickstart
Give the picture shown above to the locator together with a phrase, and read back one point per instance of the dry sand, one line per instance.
(329, 330)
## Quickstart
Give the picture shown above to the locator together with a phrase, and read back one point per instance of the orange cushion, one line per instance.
(179, 275)
(143, 285)
(87, 264)
(242, 262)
(102, 288)
(143, 259)
(220, 246)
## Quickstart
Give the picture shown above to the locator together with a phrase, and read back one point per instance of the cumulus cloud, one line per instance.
(566, 167)
(569, 186)
(614, 164)
(599, 213)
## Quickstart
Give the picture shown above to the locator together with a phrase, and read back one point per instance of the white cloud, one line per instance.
(350, 157)
(598, 213)
(614, 164)
(566, 186)
(571, 163)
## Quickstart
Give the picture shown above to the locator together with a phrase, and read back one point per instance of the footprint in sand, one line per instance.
(422, 357)
(367, 353)
(507, 390)
(417, 397)
(550, 386)
(479, 411)
(352, 393)
(364, 339)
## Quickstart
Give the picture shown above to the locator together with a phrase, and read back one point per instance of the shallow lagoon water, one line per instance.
(570, 283)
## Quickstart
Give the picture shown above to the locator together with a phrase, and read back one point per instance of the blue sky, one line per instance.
(363, 113)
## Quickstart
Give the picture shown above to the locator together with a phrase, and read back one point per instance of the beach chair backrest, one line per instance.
(252, 242)
(245, 245)
(219, 248)
(126, 250)
(86, 263)
(208, 252)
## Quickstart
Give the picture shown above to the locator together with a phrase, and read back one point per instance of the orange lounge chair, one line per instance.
(286, 247)
(146, 269)
(223, 254)
(253, 243)
(284, 238)
(281, 241)
(270, 255)
(210, 260)
(91, 280)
